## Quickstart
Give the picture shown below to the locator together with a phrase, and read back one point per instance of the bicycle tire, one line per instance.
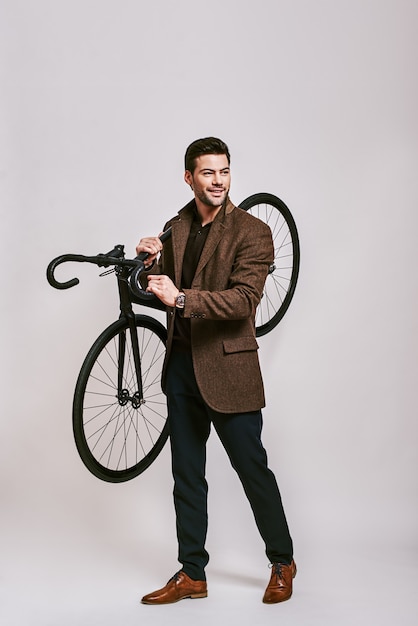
(281, 281)
(115, 441)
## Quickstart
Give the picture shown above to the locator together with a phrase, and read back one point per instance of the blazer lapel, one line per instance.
(179, 236)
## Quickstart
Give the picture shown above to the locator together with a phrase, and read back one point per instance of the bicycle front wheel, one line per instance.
(117, 434)
(281, 280)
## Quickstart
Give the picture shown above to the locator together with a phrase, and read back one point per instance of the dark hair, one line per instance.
(208, 145)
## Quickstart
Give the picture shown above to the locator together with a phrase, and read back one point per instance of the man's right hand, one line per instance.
(152, 245)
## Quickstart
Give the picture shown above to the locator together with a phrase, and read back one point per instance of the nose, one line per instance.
(217, 180)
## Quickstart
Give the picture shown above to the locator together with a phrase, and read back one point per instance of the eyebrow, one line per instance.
(208, 169)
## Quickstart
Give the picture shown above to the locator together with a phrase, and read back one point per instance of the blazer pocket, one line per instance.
(240, 344)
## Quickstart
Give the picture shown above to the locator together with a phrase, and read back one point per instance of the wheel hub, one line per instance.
(135, 400)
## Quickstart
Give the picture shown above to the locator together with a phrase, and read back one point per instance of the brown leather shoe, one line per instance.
(177, 588)
(279, 588)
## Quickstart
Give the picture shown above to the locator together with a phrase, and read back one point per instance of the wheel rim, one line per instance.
(281, 280)
(122, 434)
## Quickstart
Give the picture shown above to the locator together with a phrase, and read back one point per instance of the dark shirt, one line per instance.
(195, 243)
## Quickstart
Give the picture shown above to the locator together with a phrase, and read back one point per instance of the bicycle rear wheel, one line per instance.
(281, 281)
(116, 436)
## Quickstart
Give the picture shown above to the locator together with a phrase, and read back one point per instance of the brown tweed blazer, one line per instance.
(221, 304)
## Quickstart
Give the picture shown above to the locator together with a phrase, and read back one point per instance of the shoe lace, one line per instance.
(175, 577)
(277, 570)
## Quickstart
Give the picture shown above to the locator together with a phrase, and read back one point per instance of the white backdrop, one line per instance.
(317, 100)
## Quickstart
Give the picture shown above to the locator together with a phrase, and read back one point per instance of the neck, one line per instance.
(206, 212)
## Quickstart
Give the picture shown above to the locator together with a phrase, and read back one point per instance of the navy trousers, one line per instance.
(190, 421)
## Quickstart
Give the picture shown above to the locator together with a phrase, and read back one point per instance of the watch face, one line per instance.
(180, 300)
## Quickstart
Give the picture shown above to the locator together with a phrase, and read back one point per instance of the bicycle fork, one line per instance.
(124, 380)
(123, 392)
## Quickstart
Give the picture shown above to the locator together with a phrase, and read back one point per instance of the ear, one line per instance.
(188, 177)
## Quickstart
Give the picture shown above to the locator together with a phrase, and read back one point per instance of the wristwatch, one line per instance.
(180, 300)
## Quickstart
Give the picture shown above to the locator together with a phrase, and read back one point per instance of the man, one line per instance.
(211, 275)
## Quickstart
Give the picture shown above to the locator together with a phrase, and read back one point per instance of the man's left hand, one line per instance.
(164, 288)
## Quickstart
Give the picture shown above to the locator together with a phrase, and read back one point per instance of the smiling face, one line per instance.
(210, 180)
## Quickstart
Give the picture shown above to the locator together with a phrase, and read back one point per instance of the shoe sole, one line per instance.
(193, 596)
(278, 601)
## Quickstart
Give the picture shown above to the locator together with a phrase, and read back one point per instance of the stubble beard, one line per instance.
(209, 200)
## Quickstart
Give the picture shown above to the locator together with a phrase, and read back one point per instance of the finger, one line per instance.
(152, 245)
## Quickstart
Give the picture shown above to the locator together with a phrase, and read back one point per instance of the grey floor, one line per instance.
(75, 551)
(105, 589)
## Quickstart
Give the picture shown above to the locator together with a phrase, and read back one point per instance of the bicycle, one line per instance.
(119, 409)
